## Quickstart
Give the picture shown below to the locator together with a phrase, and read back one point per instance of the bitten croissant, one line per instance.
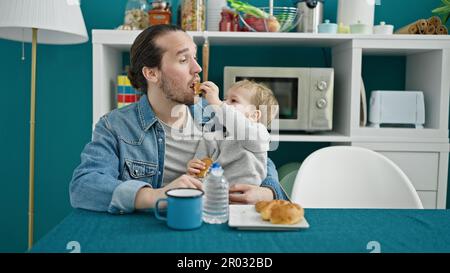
(280, 212)
(197, 90)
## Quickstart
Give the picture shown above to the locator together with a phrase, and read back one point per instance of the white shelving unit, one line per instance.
(422, 153)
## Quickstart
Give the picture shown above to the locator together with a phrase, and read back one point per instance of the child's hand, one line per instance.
(211, 93)
(195, 166)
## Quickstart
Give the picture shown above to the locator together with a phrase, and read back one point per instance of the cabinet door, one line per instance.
(420, 167)
(428, 199)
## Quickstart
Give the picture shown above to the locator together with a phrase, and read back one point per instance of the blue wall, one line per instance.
(64, 108)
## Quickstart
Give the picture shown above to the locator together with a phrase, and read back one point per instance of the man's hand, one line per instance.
(184, 181)
(146, 197)
(195, 166)
(249, 194)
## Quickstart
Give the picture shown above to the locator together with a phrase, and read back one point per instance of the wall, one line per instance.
(64, 109)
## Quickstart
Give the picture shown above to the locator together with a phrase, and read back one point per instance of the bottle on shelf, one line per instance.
(160, 13)
(215, 200)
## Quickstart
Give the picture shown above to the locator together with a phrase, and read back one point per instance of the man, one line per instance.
(134, 156)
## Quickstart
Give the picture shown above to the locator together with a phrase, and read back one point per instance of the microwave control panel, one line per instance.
(321, 99)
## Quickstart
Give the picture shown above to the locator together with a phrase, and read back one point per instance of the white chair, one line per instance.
(352, 177)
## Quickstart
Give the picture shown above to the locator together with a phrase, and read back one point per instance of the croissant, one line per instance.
(287, 214)
(280, 212)
(267, 210)
(260, 205)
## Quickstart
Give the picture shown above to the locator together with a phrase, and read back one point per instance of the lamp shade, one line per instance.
(58, 21)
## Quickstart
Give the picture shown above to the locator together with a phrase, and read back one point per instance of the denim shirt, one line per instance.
(125, 154)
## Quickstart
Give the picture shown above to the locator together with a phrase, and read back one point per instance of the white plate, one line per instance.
(246, 217)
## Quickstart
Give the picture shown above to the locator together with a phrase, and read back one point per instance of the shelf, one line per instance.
(316, 137)
(425, 53)
(122, 39)
(395, 135)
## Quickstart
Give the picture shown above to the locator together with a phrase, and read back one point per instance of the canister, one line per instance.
(193, 14)
(160, 14)
(327, 27)
(382, 28)
(360, 28)
(312, 15)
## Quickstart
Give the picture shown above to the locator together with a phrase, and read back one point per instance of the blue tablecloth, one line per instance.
(331, 230)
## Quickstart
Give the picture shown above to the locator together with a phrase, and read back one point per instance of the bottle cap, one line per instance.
(216, 169)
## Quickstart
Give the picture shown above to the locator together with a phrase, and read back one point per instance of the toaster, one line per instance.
(396, 108)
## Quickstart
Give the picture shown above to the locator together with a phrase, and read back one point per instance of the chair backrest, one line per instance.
(352, 177)
(288, 182)
(287, 174)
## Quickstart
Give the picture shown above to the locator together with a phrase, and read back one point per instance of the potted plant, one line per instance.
(443, 11)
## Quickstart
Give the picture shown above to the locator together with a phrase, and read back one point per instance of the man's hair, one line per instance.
(145, 52)
(263, 98)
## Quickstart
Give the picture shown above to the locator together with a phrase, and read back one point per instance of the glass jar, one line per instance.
(136, 14)
(160, 13)
(229, 20)
(193, 15)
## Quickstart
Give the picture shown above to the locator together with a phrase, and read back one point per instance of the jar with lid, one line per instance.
(229, 20)
(160, 13)
(136, 14)
(193, 13)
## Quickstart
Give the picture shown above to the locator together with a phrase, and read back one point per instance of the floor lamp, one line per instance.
(58, 22)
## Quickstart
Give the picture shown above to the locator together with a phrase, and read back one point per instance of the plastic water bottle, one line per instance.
(215, 201)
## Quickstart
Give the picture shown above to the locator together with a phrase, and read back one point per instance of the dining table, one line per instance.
(329, 231)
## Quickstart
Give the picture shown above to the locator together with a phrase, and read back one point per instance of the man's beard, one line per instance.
(174, 93)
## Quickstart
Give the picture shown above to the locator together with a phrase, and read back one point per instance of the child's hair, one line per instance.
(263, 98)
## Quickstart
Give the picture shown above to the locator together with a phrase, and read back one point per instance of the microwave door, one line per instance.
(291, 96)
(297, 106)
(292, 93)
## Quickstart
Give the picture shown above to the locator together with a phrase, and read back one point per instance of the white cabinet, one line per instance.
(421, 153)
(426, 165)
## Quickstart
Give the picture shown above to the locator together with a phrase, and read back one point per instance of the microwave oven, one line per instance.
(305, 95)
